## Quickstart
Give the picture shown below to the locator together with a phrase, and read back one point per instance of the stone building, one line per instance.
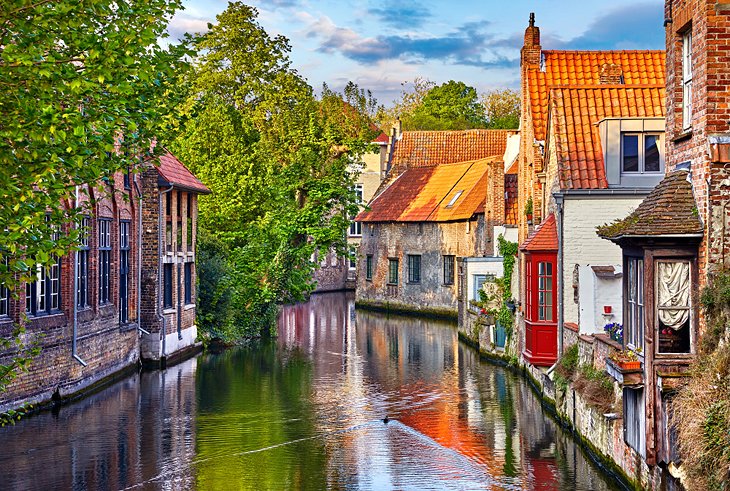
(417, 230)
(96, 308)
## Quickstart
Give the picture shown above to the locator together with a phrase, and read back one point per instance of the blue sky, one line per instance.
(382, 44)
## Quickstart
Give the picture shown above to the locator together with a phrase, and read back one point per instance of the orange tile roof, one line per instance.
(423, 194)
(543, 238)
(173, 172)
(429, 148)
(574, 114)
(510, 201)
(584, 68)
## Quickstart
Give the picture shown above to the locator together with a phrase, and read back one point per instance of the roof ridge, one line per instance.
(653, 51)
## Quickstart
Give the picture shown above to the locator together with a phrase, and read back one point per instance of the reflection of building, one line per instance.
(135, 272)
(129, 433)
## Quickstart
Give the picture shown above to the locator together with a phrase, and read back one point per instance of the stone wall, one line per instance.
(430, 240)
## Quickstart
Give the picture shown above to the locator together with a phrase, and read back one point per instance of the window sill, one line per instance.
(189, 306)
(413, 283)
(685, 135)
(450, 285)
(127, 326)
(369, 279)
(391, 284)
(169, 310)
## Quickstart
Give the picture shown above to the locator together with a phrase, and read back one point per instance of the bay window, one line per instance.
(673, 308)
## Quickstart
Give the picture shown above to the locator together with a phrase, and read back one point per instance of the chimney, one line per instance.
(395, 133)
(531, 50)
(611, 73)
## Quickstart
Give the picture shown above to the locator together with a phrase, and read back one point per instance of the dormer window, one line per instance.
(640, 153)
(453, 200)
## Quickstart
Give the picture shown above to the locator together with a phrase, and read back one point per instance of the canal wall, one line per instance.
(601, 433)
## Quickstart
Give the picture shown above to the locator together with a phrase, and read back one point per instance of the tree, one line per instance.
(76, 78)
(502, 108)
(279, 163)
(450, 106)
(410, 99)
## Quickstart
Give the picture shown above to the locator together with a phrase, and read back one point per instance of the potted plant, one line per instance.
(615, 331)
(626, 360)
(528, 210)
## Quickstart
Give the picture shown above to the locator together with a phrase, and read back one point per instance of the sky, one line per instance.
(380, 45)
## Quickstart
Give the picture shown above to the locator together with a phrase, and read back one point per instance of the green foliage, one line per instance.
(280, 163)
(528, 206)
(75, 77)
(423, 105)
(502, 108)
(567, 366)
(715, 302)
(508, 250)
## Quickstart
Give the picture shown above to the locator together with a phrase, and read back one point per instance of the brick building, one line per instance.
(96, 308)
(676, 239)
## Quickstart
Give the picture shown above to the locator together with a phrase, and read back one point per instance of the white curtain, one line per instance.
(674, 291)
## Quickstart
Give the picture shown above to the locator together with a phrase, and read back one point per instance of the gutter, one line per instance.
(561, 276)
(604, 192)
(74, 353)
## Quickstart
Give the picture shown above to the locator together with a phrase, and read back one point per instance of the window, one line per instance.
(82, 267)
(634, 418)
(4, 295)
(124, 271)
(545, 291)
(635, 302)
(127, 178)
(673, 292)
(414, 269)
(640, 153)
(449, 262)
(190, 222)
(44, 294)
(352, 259)
(687, 80)
(392, 271)
(479, 280)
(178, 220)
(105, 250)
(369, 267)
(356, 227)
(167, 279)
(168, 221)
(454, 198)
(188, 283)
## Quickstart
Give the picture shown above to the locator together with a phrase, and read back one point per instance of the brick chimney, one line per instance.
(611, 74)
(531, 49)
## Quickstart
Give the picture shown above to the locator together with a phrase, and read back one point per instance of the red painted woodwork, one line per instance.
(541, 313)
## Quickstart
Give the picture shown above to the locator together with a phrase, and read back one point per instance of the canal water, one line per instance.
(307, 411)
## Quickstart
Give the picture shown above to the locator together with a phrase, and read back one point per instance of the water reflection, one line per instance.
(306, 412)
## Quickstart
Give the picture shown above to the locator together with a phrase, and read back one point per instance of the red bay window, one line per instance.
(541, 312)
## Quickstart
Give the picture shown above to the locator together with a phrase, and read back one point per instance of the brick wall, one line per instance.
(709, 22)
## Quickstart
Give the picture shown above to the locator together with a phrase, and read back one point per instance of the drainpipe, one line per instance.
(139, 260)
(559, 219)
(76, 298)
(161, 280)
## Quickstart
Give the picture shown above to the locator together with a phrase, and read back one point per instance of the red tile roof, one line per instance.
(584, 68)
(173, 172)
(510, 202)
(382, 138)
(574, 116)
(543, 238)
(424, 194)
(430, 148)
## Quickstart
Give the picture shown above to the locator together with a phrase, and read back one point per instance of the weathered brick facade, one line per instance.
(107, 342)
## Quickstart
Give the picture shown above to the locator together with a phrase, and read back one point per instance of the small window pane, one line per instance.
(630, 153)
(651, 153)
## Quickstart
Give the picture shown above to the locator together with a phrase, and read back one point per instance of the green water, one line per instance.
(306, 411)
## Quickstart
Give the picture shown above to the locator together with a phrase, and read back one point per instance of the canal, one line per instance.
(307, 411)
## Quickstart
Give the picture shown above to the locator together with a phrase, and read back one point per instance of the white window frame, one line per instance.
(356, 227)
(635, 300)
(641, 143)
(687, 80)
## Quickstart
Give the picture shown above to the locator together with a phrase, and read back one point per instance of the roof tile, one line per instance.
(174, 173)
(543, 238)
(430, 148)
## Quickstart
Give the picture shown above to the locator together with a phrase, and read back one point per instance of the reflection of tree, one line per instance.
(251, 399)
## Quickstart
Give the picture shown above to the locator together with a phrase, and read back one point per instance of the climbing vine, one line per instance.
(508, 250)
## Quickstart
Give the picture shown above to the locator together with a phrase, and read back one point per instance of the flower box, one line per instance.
(629, 365)
(626, 372)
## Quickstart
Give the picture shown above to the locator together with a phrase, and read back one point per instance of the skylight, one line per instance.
(453, 200)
